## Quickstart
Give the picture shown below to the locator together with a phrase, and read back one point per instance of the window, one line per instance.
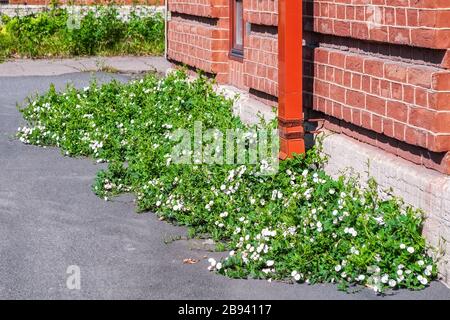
(237, 28)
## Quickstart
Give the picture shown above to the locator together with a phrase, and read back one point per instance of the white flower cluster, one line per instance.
(351, 231)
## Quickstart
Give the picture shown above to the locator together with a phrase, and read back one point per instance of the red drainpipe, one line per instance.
(290, 78)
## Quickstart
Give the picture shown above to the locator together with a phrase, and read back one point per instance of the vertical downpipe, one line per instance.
(290, 78)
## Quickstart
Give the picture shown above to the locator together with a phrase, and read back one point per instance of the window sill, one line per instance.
(235, 55)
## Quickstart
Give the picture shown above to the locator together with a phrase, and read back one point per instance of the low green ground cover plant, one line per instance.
(298, 224)
(97, 30)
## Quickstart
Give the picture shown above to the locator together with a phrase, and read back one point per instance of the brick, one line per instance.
(355, 99)
(376, 104)
(377, 123)
(337, 59)
(388, 127)
(396, 72)
(420, 76)
(399, 35)
(439, 100)
(374, 67)
(415, 136)
(439, 143)
(441, 81)
(441, 123)
(420, 117)
(354, 63)
(397, 110)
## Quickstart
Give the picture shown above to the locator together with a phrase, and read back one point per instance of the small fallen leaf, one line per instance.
(190, 261)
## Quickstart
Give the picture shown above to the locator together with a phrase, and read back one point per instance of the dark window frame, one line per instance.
(236, 50)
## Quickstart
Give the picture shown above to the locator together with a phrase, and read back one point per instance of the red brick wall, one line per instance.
(422, 23)
(261, 47)
(200, 43)
(261, 62)
(377, 71)
(401, 100)
(374, 69)
(198, 35)
(257, 71)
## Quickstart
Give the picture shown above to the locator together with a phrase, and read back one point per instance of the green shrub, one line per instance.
(298, 224)
(101, 31)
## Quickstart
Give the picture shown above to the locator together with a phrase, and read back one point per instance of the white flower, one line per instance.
(232, 253)
(361, 277)
(351, 231)
(297, 277)
(410, 249)
(224, 214)
(338, 268)
(422, 280)
(385, 278)
(400, 272)
(212, 261)
(270, 263)
(420, 262)
(392, 283)
(218, 266)
(402, 246)
(293, 273)
(332, 191)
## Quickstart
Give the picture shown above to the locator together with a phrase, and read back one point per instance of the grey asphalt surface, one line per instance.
(50, 219)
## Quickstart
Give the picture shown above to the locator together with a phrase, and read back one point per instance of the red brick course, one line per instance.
(421, 23)
(202, 8)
